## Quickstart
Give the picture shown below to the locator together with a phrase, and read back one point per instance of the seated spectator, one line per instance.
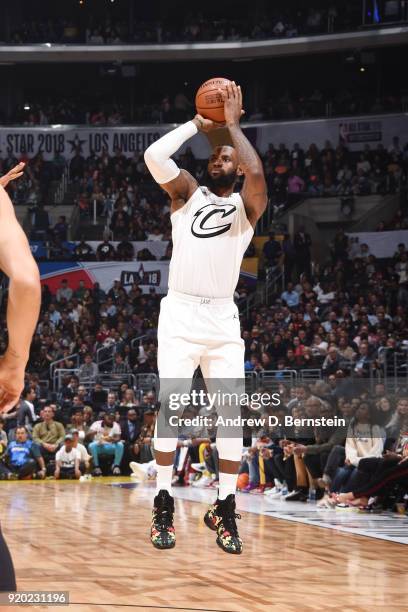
(107, 441)
(23, 458)
(83, 251)
(130, 427)
(112, 405)
(290, 296)
(88, 370)
(378, 476)
(26, 415)
(364, 439)
(332, 362)
(363, 360)
(84, 461)
(64, 292)
(67, 460)
(125, 251)
(142, 448)
(120, 366)
(98, 396)
(48, 435)
(77, 424)
(105, 251)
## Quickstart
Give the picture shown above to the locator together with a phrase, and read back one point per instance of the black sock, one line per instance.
(7, 575)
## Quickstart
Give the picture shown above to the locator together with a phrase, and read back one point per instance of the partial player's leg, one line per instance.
(177, 360)
(7, 575)
(223, 369)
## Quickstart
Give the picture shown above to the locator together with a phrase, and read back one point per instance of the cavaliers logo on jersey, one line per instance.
(206, 218)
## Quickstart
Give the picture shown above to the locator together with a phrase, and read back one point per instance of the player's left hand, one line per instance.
(11, 383)
(12, 174)
(232, 97)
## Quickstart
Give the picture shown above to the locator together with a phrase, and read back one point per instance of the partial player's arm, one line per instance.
(254, 191)
(24, 299)
(179, 184)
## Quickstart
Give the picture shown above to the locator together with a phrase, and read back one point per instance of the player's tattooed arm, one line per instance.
(254, 191)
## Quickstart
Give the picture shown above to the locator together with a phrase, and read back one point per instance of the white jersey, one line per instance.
(210, 236)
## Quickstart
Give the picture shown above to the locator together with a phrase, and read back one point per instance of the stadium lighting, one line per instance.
(27, 106)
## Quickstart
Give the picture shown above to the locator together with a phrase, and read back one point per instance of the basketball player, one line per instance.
(24, 298)
(199, 324)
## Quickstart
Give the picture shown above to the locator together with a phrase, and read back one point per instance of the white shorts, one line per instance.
(195, 331)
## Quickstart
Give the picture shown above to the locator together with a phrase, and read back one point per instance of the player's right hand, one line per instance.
(11, 384)
(12, 175)
(206, 125)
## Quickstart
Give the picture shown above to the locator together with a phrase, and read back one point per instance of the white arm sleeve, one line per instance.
(157, 156)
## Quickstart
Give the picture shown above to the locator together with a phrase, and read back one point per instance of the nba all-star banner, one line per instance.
(65, 140)
(381, 244)
(54, 140)
(147, 274)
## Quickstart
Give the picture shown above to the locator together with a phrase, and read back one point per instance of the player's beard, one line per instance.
(221, 181)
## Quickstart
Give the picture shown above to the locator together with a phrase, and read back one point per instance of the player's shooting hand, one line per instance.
(12, 174)
(11, 383)
(206, 125)
(232, 97)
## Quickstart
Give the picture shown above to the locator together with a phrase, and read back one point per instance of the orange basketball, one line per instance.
(208, 99)
(242, 481)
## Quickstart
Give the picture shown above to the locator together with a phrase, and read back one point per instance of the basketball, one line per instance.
(208, 100)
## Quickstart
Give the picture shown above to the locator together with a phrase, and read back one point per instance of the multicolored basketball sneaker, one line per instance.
(211, 519)
(162, 532)
(221, 517)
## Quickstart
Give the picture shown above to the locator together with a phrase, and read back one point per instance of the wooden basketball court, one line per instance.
(91, 539)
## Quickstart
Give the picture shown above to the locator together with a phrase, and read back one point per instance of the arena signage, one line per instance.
(146, 274)
(55, 140)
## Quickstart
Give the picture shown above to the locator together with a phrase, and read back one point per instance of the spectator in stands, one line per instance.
(84, 457)
(79, 292)
(64, 292)
(120, 366)
(302, 245)
(105, 251)
(23, 458)
(76, 166)
(107, 441)
(130, 427)
(142, 449)
(67, 460)
(83, 251)
(272, 252)
(290, 296)
(40, 222)
(49, 435)
(78, 424)
(364, 439)
(60, 229)
(332, 361)
(26, 415)
(125, 251)
(112, 404)
(363, 360)
(89, 370)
